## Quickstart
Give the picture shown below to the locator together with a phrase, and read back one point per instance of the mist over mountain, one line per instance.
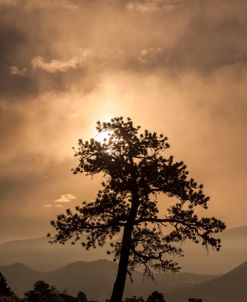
(73, 268)
(230, 287)
(40, 255)
(95, 279)
(233, 252)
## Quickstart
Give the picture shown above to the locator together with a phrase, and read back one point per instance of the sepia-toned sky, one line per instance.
(178, 67)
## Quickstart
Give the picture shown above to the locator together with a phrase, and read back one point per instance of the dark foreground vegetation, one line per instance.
(43, 292)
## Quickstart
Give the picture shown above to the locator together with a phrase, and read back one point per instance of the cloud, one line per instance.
(82, 45)
(8, 2)
(149, 6)
(53, 205)
(55, 66)
(66, 4)
(153, 57)
(213, 37)
(14, 70)
(177, 67)
(64, 198)
(13, 42)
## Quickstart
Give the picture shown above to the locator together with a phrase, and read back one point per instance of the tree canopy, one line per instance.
(138, 176)
(156, 297)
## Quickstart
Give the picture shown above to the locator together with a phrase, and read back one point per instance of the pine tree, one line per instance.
(139, 176)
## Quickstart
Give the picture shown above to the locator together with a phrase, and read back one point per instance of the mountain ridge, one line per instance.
(226, 288)
(94, 278)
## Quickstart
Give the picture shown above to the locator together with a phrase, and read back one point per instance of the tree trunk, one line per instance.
(118, 288)
(119, 284)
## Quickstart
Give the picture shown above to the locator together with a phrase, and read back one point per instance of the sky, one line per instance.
(177, 67)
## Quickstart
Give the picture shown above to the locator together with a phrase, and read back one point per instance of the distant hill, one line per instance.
(230, 287)
(95, 279)
(40, 255)
(20, 278)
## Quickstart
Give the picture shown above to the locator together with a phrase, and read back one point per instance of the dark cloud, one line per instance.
(21, 42)
(212, 39)
(12, 44)
(137, 36)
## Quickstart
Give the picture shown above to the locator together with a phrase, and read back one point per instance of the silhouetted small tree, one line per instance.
(82, 297)
(137, 171)
(43, 292)
(40, 291)
(5, 291)
(156, 297)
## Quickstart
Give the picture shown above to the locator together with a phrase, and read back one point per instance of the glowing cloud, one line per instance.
(55, 66)
(64, 198)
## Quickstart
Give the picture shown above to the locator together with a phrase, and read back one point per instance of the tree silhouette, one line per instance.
(156, 297)
(136, 171)
(82, 297)
(43, 292)
(5, 291)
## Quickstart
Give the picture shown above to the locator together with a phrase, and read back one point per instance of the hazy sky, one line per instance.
(174, 66)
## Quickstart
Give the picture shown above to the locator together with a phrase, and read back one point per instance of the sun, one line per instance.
(103, 137)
